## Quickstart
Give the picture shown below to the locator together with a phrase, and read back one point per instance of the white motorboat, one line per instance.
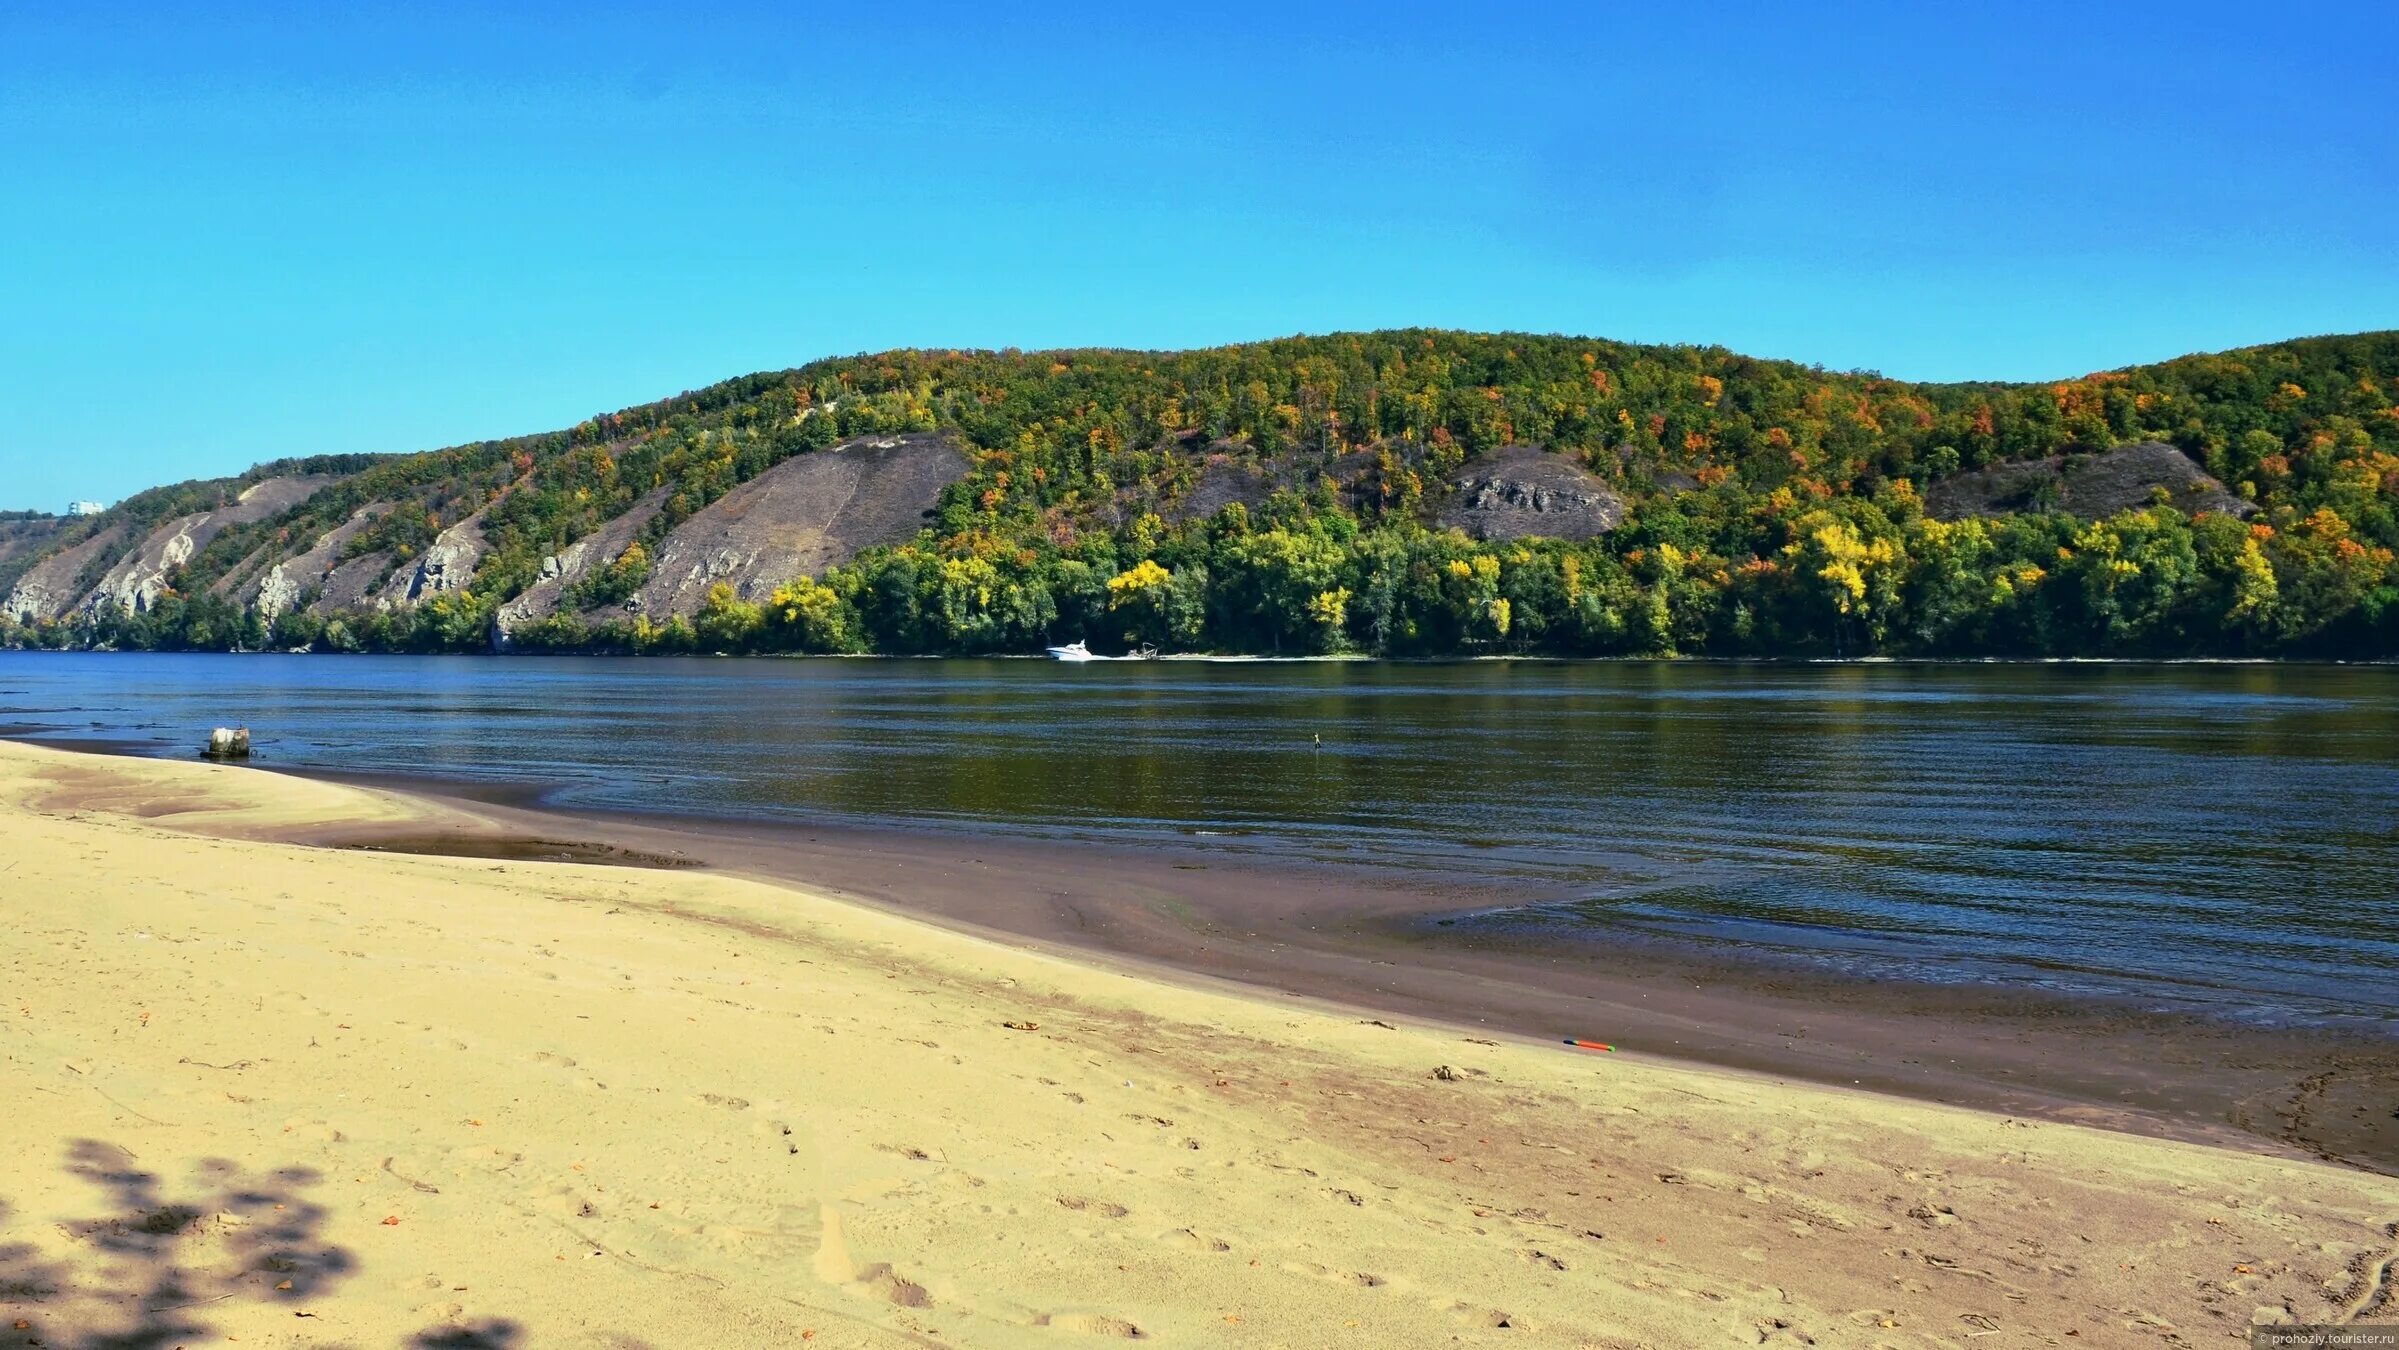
(1073, 651)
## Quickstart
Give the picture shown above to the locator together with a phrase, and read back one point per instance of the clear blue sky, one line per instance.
(233, 233)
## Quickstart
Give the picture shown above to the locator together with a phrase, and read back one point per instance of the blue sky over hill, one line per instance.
(248, 232)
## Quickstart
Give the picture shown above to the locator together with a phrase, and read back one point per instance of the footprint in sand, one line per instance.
(1090, 1324)
(879, 1281)
(1085, 1205)
(1356, 1278)
(835, 1265)
(1192, 1242)
(1472, 1315)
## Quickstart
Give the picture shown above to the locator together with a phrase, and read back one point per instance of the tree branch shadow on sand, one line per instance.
(148, 1272)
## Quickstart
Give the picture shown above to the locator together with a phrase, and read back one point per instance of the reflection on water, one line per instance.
(2220, 834)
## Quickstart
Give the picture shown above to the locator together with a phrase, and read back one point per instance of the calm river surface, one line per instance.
(2220, 838)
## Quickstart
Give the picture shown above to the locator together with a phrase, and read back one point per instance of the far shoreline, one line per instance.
(1238, 658)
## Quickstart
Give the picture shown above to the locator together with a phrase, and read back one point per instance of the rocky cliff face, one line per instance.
(808, 513)
(2090, 486)
(141, 576)
(290, 582)
(563, 569)
(135, 579)
(352, 584)
(1522, 491)
(447, 564)
(53, 585)
(811, 512)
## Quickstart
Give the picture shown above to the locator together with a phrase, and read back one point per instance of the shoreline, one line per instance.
(1362, 939)
(1256, 658)
(462, 1101)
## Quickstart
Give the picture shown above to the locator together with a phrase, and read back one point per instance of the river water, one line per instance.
(2217, 838)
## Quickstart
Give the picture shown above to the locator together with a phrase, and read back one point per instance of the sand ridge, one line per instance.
(298, 1096)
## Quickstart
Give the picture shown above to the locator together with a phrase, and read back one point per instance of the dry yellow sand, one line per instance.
(457, 1102)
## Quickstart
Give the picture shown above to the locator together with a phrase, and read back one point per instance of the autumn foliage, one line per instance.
(1774, 508)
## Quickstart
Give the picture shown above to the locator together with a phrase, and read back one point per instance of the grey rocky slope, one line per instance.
(804, 515)
(1523, 491)
(2091, 486)
(141, 576)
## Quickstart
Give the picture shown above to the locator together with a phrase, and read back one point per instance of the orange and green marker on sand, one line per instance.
(1589, 1045)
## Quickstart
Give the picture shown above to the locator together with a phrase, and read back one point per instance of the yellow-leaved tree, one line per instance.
(1860, 575)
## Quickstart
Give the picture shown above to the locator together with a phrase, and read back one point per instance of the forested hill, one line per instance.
(1409, 493)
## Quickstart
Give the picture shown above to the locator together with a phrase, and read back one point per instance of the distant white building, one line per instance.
(85, 508)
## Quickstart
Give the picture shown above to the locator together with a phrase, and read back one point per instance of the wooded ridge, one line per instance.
(1403, 493)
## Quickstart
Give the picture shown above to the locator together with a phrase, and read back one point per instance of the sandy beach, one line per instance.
(262, 1092)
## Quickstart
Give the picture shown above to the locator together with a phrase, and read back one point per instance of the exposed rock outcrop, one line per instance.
(1223, 481)
(141, 576)
(577, 560)
(287, 583)
(1521, 491)
(277, 593)
(447, 564)
(2090, 486)
(51, 587)
(353, 584)
(808, 513)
